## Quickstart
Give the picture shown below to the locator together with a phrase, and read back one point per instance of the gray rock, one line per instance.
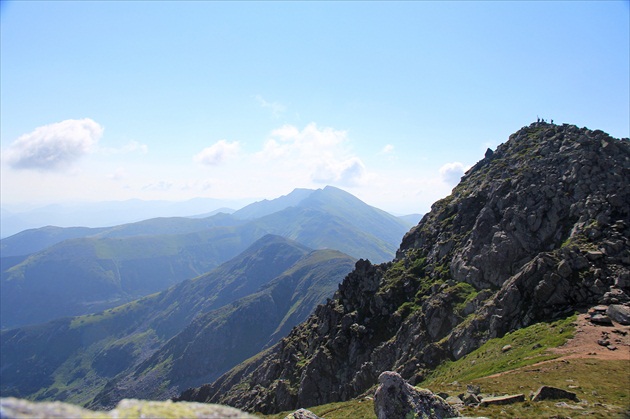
(565, 405)
(619, 313)
(454, 401)
(473, 389)
(183, 410)
(508, 399)
(470, 399)
(302, 414)
(553, 393)
(12, 408)
(564, 269)
(601, 319)
(594, 255)
(395, 398)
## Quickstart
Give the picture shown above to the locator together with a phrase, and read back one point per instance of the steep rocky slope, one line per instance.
(534, 231)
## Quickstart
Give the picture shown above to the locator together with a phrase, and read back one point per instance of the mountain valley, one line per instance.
(261, 294)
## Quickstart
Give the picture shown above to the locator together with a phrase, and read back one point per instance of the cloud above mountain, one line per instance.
(451, 173)
(347, 172)
(324, 153)
(55, 146)
(217, 153)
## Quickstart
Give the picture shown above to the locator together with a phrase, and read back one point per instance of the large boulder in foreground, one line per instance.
(12, 408)
(395, 398)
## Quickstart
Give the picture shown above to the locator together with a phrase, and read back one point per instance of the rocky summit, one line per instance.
(536, 230)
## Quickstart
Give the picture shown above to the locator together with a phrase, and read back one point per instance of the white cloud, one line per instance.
(311, 142)
(55, 146)
(348, 172)
(451, 173)
(217, 153)
(277, 109)
(321, 155)
(387, 149)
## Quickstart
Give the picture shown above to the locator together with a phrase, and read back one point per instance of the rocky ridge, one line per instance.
(534, 231)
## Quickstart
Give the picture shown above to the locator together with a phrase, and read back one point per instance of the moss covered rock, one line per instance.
(12, 408)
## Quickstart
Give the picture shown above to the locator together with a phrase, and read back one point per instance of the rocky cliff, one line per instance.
(536, 230)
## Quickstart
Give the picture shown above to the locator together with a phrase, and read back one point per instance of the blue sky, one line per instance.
(387, 100)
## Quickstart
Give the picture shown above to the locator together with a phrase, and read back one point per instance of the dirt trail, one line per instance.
(585, 344)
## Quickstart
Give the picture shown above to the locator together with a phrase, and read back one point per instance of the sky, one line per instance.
(390, 101)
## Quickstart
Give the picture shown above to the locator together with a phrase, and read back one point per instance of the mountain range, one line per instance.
(14, 219)
(53, 272)
(149, 347)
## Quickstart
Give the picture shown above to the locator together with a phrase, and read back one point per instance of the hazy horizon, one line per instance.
(17, 218)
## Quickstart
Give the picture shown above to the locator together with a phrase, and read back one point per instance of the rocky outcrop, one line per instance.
(619, 313)
(12, 408)
(534, 231)
(394, 398)
(302, 414)
(553, 393)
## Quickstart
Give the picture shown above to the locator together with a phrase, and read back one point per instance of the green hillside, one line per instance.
(84, 275)
(74, 359)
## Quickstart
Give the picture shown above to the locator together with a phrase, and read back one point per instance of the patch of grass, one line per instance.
(407, 308)
(603, 388)
(529, 345)
(464, 292)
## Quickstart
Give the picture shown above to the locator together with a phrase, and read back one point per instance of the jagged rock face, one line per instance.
(535, 230)
(394, 398)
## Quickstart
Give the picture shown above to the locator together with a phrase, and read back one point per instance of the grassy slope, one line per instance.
(602, 386)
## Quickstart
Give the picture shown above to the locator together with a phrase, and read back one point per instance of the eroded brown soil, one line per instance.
(585, 342)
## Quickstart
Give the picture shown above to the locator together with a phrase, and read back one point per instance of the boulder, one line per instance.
(470, 399)
(507, 399)
(601, 319)
(395, 398)
(553, 393)
(302, 414)
(455, 401)
(619, 313)
(12, 408)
